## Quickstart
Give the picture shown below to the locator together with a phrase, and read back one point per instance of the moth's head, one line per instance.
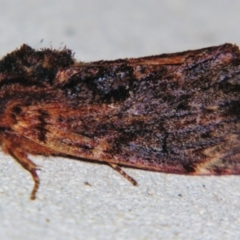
(34, 65)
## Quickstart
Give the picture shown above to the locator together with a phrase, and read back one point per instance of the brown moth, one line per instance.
(175, 113)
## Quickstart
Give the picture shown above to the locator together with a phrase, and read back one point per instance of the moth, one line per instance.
(175, 113)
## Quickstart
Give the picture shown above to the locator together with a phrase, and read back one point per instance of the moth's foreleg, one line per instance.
(21, 157)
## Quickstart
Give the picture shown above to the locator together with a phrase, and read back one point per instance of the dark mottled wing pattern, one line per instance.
(177, 113)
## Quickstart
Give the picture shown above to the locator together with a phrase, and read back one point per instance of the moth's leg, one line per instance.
(22, 158)
(124, 174)
(31, 167)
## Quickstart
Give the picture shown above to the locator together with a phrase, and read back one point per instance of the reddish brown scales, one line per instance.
(175, 113)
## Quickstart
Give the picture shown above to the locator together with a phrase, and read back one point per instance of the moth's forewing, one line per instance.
(176, 113)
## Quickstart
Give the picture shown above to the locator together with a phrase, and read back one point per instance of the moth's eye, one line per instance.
(16, 110)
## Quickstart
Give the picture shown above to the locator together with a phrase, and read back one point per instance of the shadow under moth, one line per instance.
(174, 113)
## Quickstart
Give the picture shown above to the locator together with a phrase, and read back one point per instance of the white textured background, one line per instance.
(163, 206)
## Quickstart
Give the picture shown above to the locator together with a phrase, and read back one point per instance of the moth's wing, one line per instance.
(90, 132)
(175, 113)
(97, 133)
